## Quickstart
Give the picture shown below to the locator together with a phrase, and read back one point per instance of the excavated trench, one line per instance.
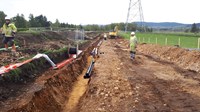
(50, 90)
(78, 91)
(147, 84)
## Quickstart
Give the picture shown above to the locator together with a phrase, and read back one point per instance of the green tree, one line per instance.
(42, 21)
(187, 30)
(80, 26)
(108, 28)
(38, 21)
(133, 27)
(194, 28)
(20, 21)
(56, 24)
(2, 18)
(64, 25)
(122, 26)
(93, 27)
(32, 21)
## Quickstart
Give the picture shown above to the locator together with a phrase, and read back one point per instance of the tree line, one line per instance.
(42, 21)
(34, 21)
(194, 28)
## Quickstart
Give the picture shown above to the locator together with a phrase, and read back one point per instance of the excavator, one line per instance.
(114, 33)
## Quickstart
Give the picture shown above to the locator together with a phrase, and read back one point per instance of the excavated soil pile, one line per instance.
(180, 56)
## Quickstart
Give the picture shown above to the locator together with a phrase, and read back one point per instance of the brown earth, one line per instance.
(160, 79)
(32, 43)
(50, 91)
(22, 96)
(146, 84)
(183, 57)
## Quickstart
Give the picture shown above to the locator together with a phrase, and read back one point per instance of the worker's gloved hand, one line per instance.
(13, 34)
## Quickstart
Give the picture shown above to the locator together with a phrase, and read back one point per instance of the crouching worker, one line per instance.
(8, 32)
(133, 45)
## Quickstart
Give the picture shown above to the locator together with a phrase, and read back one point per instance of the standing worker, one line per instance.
(105, 36)
(133, 45)
(8, 31)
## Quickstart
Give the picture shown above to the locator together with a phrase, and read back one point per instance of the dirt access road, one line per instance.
(146, 84)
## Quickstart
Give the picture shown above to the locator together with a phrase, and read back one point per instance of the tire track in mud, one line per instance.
(160, 86)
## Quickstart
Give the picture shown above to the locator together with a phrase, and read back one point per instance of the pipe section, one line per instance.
(46, 57)
(89, 70)
(62, 64)
(99, 44)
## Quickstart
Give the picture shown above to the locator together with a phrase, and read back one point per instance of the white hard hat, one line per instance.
(7, 18)
(132, 33)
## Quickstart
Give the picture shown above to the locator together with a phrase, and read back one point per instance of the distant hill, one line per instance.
(167, 25)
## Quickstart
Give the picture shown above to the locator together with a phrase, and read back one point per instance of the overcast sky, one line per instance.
(104, 11)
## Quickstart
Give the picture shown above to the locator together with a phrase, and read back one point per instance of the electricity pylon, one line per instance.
(135, 14)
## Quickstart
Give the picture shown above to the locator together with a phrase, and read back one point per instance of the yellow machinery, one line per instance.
(114, 33)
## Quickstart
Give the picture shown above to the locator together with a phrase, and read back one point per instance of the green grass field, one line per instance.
(187, 40)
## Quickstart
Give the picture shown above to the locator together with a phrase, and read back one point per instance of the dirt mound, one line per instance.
(180, 56)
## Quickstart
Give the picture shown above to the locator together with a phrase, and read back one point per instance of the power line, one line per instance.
(135, 14)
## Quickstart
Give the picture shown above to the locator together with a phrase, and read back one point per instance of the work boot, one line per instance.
(132, 58)
(132, 55)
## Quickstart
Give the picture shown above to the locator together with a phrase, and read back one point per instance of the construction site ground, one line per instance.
(146, 84)
(160, 79)
(16, 94)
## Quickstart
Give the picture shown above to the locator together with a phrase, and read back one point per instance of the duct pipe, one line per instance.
(89, 71)
(99, 43)
(94, 52)
(62, 64)
(46, 57)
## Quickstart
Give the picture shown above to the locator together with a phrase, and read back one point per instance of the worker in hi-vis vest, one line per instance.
(133, 45)
(8, 31)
